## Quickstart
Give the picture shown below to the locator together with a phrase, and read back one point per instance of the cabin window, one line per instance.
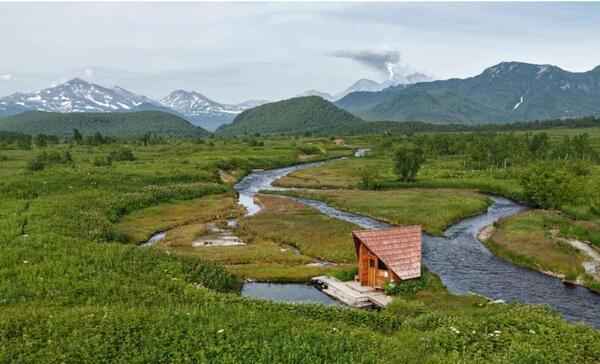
(371, 263)
(381, 265)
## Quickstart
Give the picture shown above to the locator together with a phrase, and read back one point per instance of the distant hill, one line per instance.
(293, 116)
(121, 124)
(323, 95)
(507, 92)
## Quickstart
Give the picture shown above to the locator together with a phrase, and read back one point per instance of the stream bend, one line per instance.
(462, 262)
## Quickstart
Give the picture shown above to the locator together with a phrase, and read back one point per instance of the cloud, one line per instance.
(6, 77)
(383, 61)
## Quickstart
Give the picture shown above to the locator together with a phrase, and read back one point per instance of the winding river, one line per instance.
(462, 262)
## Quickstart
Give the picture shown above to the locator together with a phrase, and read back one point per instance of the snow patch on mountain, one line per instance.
(191, 103)
(78, 95)
(518, 104)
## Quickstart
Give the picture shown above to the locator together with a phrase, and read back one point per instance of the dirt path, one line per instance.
(592, 267)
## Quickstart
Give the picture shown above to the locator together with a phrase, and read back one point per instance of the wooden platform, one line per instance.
(352, 293)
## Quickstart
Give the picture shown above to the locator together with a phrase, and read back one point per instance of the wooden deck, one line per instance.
(352, 293)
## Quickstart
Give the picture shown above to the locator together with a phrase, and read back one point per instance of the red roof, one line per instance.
(399, 248)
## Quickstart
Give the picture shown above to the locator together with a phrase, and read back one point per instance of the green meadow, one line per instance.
(76, 287)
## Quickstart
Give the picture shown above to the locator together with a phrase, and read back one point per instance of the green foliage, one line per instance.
(369, 179)
(44, 159)
(346, 275)
(100, 161)
(547, 186)
(77, 137)
(408, 287)
(309, 149)
(121, 154)
(71, 292)
(131, 124)
(407, 162)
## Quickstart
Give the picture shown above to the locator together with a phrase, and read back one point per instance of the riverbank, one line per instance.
(532, 239)
(433, 209)
(286, 242)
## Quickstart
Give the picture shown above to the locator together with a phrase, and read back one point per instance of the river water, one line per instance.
(462, 262)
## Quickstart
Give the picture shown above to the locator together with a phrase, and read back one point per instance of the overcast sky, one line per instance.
(238, 51)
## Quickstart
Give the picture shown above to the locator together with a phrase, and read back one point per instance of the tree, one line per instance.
(40, 141)
(407, 162)
(77, 137)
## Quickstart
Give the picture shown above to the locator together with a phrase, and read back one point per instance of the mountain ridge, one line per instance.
(506, 92)
(118, 124)
(203, 111)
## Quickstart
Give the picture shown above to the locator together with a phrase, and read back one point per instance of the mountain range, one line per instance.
(202, 111)
(77, 96)
(506, 92)
(365, 84)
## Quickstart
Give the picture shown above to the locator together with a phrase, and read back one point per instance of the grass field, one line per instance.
(140, 225)
(434, 209)
(536, 239)
(436, 173)
(527, 239)
(283, 242)
(71, 290)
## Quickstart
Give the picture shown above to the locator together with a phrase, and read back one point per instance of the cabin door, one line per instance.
(372, 280)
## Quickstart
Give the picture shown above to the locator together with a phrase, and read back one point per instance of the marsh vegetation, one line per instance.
(76, 286)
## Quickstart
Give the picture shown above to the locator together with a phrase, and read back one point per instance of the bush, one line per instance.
(369, 179)
(309, 149)
(547, 186)
(256, 143)
(122, 154)
(44, 159)
(408, 287)
(579, 168)
(100, 161)
(346, 275)
(36, 164)
(230, 164)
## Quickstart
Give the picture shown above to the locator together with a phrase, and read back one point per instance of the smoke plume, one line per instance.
(382, 61)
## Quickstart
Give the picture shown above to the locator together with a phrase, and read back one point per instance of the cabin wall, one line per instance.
(363, 265)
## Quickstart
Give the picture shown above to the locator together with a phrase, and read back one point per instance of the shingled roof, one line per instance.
(399, 248)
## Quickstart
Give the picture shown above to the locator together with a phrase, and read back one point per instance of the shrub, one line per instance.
(100, 161)
(122, 154)
(369, 179)
(309, 149)
(231, 164)
(408, 287)
(44, 159)
(547, 186)
(579, 168)
(36, 164)
(346, 275)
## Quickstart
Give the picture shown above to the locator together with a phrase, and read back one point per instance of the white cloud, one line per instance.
(6, 77)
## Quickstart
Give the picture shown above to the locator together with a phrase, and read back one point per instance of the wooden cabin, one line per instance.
(388, 255)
